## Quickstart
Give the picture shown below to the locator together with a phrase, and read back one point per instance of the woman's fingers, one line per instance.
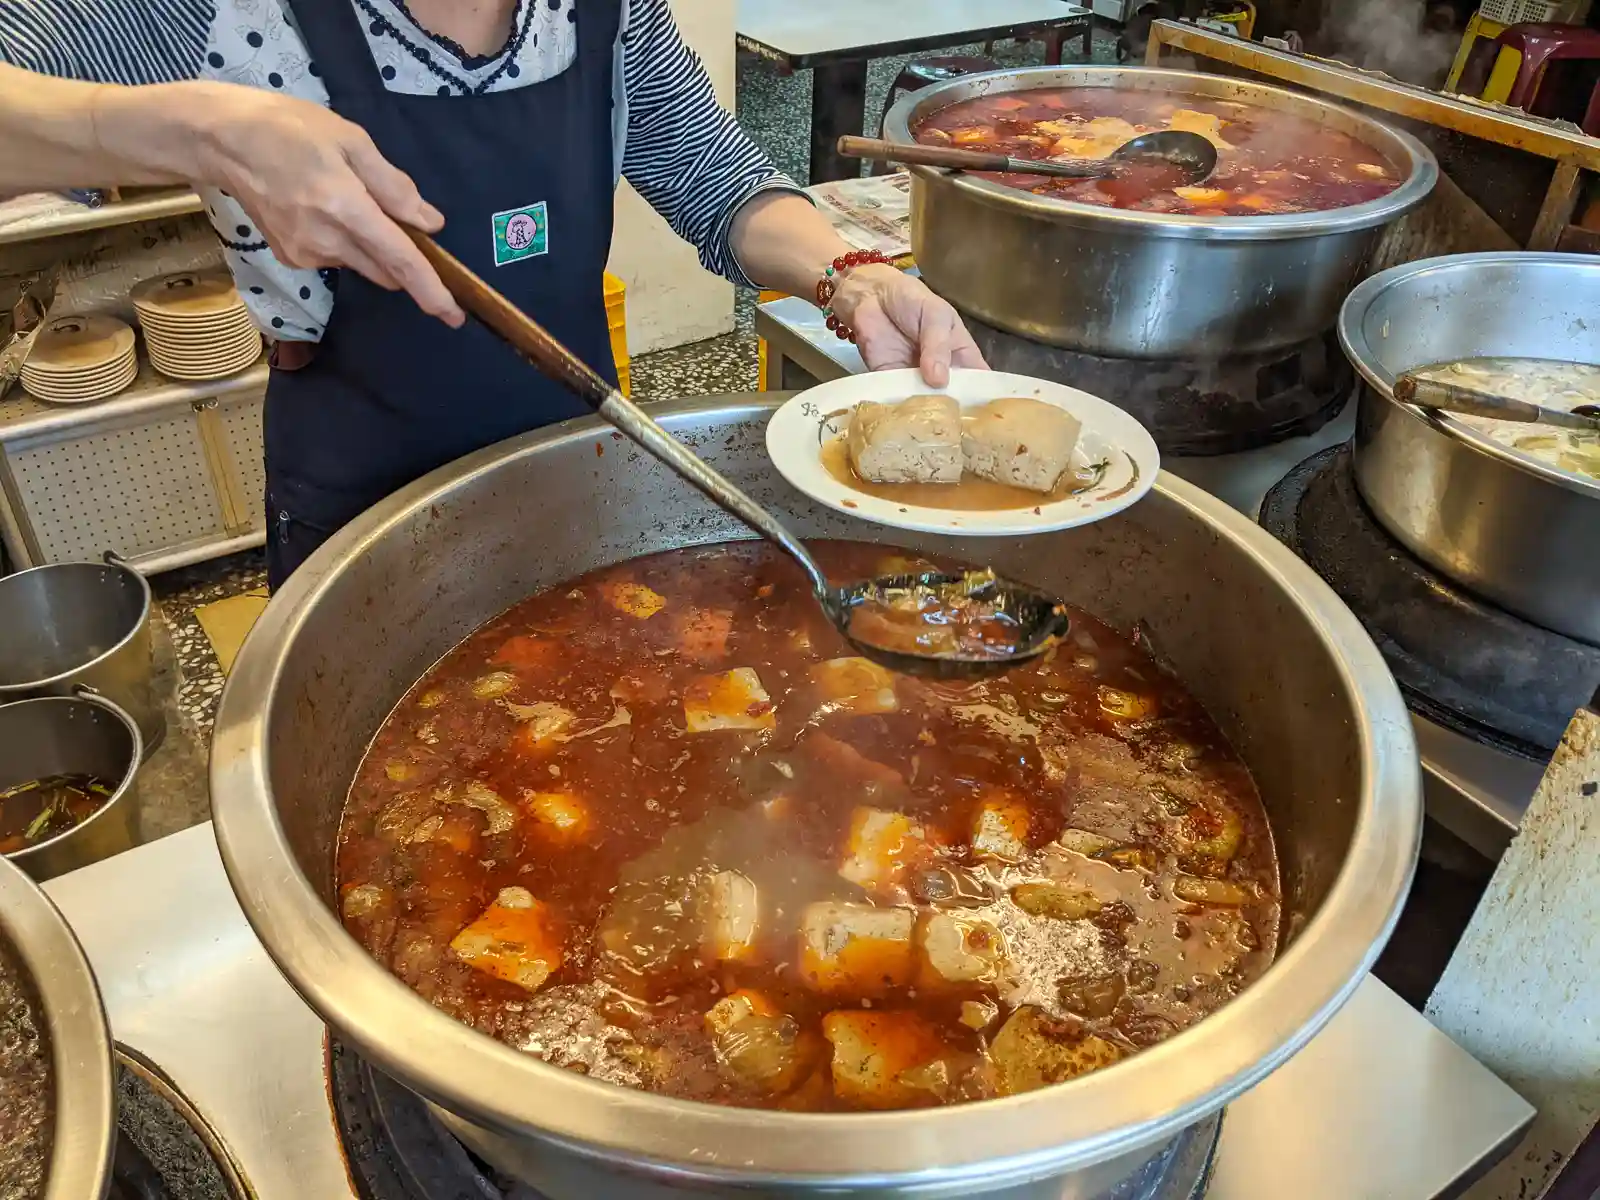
(934, 351)
(395, 191)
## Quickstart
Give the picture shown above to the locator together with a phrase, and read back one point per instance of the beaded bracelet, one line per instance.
(829, 284)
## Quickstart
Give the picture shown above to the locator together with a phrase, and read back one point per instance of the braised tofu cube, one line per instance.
(561, 816)
(1000, 829)
(633, 598)
(915, 441)
(880, 1057)
(733, 700)
(856, 949)
(854, 685)
(733, 916)
(882, 847)
(517, 939)
(702, 634)
(1034, 1050)
(540, 726)
(960, 948)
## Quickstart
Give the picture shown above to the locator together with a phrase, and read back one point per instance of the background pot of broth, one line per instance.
(1278, 661)
(1132, 284)
(1520, 532)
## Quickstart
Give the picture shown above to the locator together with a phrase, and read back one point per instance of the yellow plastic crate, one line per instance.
(617, 323)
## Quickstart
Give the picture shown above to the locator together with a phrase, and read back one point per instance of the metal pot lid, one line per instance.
(84, 1134)
(1361, 345)
(1403, 150)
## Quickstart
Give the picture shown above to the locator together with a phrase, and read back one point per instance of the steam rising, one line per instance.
(1392, 36)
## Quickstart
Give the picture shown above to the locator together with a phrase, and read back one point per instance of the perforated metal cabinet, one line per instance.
(165, 474)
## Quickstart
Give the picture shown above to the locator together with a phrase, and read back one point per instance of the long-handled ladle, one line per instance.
(1193, 156)
(1437, 394)
(951, 625)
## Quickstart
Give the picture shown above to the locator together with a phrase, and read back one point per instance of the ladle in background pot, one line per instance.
(1031, 620)
(1440, 396)
(1188, 152)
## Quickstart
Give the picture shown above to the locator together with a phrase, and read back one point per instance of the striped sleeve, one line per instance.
(107, 41)
(685, 153)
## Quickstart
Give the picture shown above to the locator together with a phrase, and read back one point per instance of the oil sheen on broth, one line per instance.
(27, 1086)
(657, 826)
(1267, 161)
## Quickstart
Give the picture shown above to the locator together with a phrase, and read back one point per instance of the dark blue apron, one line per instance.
(525, 179)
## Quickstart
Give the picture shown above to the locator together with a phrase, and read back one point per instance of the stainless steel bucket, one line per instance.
(1269, 649)
(72, 623)
(71, 735)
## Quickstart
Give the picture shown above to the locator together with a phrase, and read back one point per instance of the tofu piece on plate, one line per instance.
(517, 939)
(1033, 1050)
(732, 700)
(855, 948)
(733, 915)
(855, 685)
(915, 441)
(1000, 830)
(881, 848)
(880, 1058)
(961, 948)
(1025, 443)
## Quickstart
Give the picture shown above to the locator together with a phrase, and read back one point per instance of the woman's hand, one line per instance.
(319, 191)
(898, 322)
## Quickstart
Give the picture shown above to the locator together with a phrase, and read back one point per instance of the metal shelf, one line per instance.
(150, 206)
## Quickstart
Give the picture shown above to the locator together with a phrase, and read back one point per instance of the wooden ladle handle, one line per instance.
(922, 156)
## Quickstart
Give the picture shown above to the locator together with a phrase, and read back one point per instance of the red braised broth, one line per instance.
(656, 825)
(1267, 161)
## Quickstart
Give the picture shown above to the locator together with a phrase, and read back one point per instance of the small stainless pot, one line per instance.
(71, 623)
(1520, 534)
(84, 1102)
(85, 734)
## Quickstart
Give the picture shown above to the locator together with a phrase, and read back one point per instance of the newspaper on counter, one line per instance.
(871, 213)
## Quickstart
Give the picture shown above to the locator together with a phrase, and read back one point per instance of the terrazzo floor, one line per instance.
(775, 109)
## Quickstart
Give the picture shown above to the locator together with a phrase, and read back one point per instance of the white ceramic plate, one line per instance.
(799, 430)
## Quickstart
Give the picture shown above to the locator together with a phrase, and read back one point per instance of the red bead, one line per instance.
(832, 322)
(843, 334)
(852, 339)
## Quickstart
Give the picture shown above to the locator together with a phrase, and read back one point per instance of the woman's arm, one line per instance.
(786, 244)
(313, 183)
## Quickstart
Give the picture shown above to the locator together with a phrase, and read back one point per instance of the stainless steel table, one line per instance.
(836, 39)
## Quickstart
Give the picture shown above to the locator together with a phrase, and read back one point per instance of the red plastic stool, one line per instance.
(1541, 45)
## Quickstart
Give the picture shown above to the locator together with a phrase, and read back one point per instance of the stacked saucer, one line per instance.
(196, 326)
(77, 360)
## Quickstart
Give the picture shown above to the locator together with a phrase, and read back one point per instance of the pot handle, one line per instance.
(112, 559)
(94, 695)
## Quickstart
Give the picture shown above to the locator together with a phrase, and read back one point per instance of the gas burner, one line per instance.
(394, 1146)
(1460, 661)
(1195, 409)
(165, 1149)
(397, 1150)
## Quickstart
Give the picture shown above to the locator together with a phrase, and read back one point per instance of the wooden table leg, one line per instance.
(838, 107)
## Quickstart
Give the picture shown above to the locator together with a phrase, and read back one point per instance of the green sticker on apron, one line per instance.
(520, 233)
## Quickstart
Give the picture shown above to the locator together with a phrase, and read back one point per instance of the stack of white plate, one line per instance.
(196, 326)
(76, 360)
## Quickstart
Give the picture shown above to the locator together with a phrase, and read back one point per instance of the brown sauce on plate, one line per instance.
(658, 825)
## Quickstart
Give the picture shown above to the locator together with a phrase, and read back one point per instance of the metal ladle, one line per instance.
(1188, 152)
(1038, 620)
(1442, 396)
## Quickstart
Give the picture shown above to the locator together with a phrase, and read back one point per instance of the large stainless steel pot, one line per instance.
(1146, 285)
(1267, 647)
(1522, 535)
(85, 1114)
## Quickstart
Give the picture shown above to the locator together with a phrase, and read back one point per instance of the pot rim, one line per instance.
(1358, 349)
(1400, 147)
(84, 1105)
(1123, 1108)
(111, 564)
(84, 695)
